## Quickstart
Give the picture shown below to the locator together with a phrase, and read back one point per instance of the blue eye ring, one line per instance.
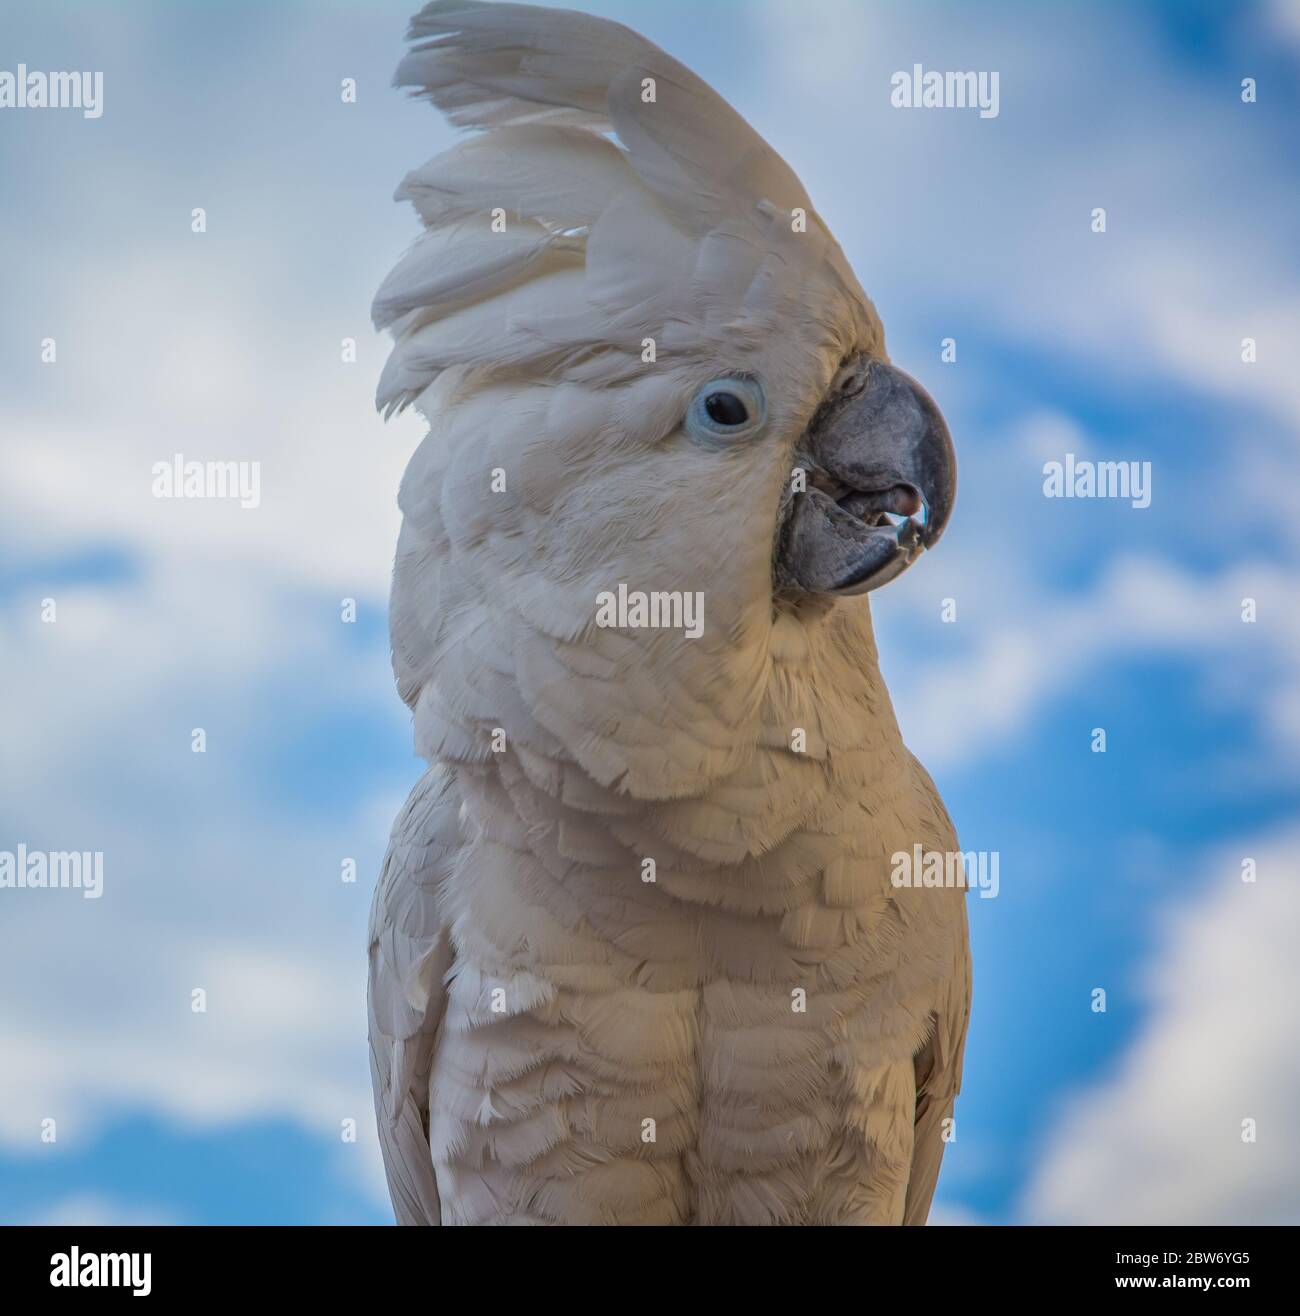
(726, 410)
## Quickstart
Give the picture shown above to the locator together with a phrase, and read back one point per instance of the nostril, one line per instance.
(851, 378)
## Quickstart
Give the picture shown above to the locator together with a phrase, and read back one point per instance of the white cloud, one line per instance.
(329, 469)
(272, 1036)
(1045, 436)
(948, 216)
(1160, 1141)
(1283, 16)
(81, 1209)
(944, 1215)
(1029, 647)
(219, 872)
(208, 881)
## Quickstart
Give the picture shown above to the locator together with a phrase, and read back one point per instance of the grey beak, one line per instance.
(881, 480)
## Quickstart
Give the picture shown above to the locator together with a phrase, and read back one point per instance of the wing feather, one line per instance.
(938, 1064)
(410, 956)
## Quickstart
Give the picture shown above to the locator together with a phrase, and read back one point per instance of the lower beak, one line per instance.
(881, 477)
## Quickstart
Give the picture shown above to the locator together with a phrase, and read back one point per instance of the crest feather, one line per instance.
(605, 154)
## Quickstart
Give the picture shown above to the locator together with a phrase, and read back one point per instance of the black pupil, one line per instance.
(725, 409)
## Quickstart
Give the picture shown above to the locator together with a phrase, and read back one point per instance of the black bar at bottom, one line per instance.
(612, 1267)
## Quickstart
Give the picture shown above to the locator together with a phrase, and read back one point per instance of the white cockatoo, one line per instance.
(639, 952)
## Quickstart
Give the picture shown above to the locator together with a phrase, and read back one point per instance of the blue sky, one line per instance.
(1118, 870)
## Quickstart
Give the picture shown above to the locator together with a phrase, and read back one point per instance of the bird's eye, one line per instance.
(725, 410)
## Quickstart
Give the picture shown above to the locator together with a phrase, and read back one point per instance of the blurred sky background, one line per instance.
(222, 870)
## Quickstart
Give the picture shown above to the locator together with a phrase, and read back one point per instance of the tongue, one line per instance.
(899, 499)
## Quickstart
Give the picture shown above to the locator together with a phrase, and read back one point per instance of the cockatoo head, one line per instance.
(649, 372)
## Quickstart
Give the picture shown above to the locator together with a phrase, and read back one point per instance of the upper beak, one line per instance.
(881, 480)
